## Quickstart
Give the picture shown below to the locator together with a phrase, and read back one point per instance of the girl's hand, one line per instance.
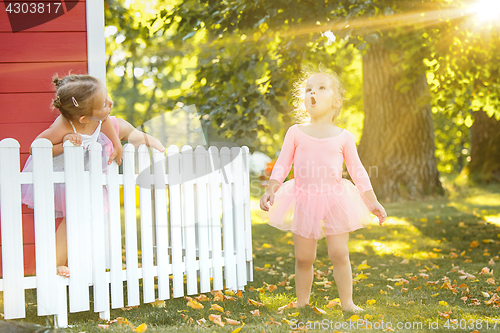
(264, 199)
(74, 138)
(117, 154)
(379, 211)
(153, 142)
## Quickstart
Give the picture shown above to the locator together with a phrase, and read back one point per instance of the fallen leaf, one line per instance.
(219, 297)
(105, 327)
(158, 303)
(232, 321)
(318, 310)
(141, 328)
(272, 287)
(194, 304)
(238, 329)
(217, 308)
(354, 318)
(474, 244)
(256, 303)
(267, 246)
(371, 301)
(216, 319)
(490, 281)
(202, 298)
(255, 312)
(443, 303)
(363, 267)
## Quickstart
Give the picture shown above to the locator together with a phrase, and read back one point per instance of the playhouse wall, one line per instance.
(28, 61)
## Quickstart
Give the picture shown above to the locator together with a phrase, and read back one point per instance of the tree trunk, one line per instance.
(397, 146)
(485, 148)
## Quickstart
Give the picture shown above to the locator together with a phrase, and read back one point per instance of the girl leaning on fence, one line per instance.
(84, 107)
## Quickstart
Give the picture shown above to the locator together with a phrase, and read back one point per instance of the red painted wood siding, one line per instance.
(28, 61)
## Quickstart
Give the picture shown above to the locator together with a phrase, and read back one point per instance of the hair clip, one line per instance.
(75, 102)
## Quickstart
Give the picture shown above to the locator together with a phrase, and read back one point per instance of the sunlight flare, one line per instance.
(487, 9)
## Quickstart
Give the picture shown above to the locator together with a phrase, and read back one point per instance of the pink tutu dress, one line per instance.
(59, 189)
(318, 201)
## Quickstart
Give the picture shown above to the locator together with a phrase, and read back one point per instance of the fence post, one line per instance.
(188, 215)
(101, 286)
(145, 186)
(215, 221)
(227, 219)
(45, 231)
(12, 230)
(115, 237)
(162, 257)
(202, 217)
(174, 192)
(239, 218)
(247, 212)
(130, 213)
(75, 227)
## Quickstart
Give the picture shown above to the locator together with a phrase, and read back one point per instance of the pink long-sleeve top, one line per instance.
(318, 162)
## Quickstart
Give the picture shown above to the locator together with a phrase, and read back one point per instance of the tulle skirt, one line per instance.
(318, 214)
(59, 188)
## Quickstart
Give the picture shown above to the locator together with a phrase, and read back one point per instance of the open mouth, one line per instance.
(313, 101)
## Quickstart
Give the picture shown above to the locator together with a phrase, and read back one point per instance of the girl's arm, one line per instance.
(109, 130)
(362, 180)
(128, 133)
(280, 170)
(57, 133)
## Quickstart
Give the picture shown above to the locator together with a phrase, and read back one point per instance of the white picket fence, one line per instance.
(194, 224)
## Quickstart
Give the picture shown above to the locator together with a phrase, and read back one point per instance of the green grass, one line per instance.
(423, 246)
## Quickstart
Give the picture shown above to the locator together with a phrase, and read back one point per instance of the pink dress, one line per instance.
(58, 163)
(318, 201)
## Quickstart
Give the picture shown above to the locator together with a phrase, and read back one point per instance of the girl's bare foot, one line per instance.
(353, 309)
(63, 271)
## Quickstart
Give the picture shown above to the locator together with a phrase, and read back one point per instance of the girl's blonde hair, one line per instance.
(76, 95)
(300, 113)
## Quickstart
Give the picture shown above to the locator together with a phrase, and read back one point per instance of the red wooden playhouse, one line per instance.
(72, 40)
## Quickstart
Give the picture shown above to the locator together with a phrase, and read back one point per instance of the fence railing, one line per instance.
(194, 223)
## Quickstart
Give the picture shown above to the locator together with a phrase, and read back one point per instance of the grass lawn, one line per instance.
(431, 268)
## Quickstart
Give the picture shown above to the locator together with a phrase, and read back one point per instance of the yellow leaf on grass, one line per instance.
(141, 328)
(443, 303)
(318, 310)
(272, 287)
(238, 329)
(201, 298)
(354, 318)
(256, 303)
(435, 295)
(360, 277)
(369, 285)
(490, 281)
(158, 304)
(218, 297)
(194, 304)
(488, 241)
(216, 319)
(217, 308)
(295, 314)
(474, 244)
(230, 292)
(371, 301)
(232, 321)
(255, 313)
(267, 246)
(363, 266)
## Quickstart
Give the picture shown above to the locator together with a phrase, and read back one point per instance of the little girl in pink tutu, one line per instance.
(318, 203)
